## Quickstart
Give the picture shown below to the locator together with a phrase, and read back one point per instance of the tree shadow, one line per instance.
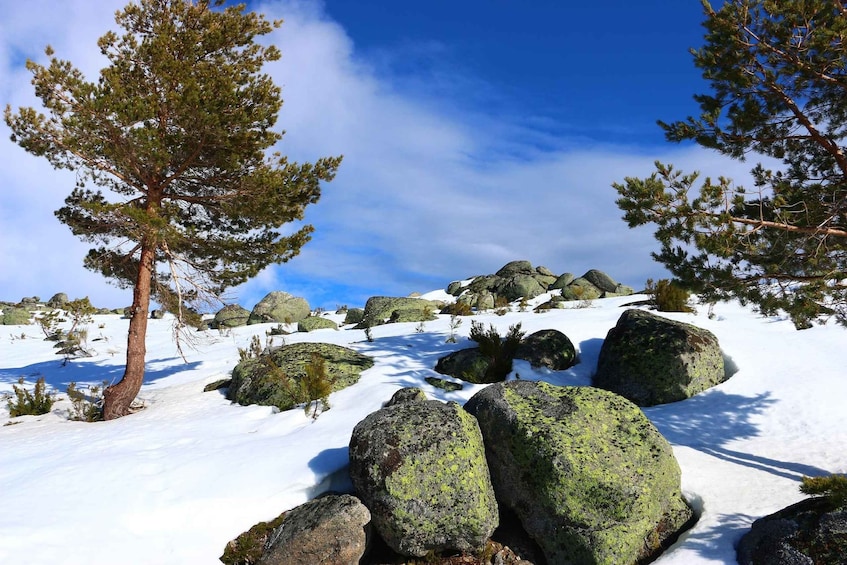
(59, 375)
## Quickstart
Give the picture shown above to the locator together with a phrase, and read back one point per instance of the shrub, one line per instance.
(458, 309)
(49, 324)
(455, 322)
(80, 312)
(26, 403)
(501, 301)
(86, 407)
(668, 296)
(316, 385)
(500, 352)
(833, 487)
(253, 351)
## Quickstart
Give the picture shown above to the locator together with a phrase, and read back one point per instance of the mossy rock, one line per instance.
(273, 378)
(279, 307)
(468, 365)
(587, 473)
(16, 317)
(562, 281)
(601, 280)
(444, 384)
(581, 289)
(230, 316)
(420, 468)
(547, 348)
(354, 316)
(316, 323)
(381, 309)
(652, 360)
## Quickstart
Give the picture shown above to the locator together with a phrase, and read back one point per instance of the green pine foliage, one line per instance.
(834, 487)
(500, 351)
(777, 80)
(86, 406)
(316, 385)
(178, 188)
(668, 296)
(25, 403)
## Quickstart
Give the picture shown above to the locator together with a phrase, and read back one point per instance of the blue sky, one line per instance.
(473, 133)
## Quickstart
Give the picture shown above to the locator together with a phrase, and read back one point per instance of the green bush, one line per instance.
(86, 407)
(833, 487)
(316, 385)
(668, 296)
(458, 309)
(26, 403)
(500, 352)
(15, 317)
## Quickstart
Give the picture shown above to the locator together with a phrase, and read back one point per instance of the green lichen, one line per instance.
(605, 473)
(432, 478)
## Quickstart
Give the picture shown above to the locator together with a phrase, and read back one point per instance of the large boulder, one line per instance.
(230, 316)
(273, 378)
(385, 309)
(653, 360)
(420, 467)
(581, 289)
(331, 530)
(810, 532)
(589, 476)
(279, 307)
(547, 348)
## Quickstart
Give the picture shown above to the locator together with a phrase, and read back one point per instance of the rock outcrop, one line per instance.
(316, 323)
(589, 476)
(653, 360)
(230, 316)
(273, 378)
(385, 309)
(420, 467)
(279, 307)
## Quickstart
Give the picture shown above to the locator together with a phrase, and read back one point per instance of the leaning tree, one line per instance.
(778, 76)
(179, 128)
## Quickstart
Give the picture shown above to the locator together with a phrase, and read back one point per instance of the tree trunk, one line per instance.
(119, 397)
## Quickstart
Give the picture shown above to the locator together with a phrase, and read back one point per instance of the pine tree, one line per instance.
(778, 77)
(179, 127)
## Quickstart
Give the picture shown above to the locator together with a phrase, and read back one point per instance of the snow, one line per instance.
(174, 482)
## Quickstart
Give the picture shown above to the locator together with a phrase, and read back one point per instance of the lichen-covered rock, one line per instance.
(420, 468)
(407, 394)
(562, 281)
(331, 530)
(230, 316)
(601, 280)
(810, 532)
(653, 360)
(522, 286)
(273, 378)
(316, 323)
(15, 316)
(455, 288)
(581, 289)
(354, 315)
(381, 309)
(466, 364)
(279, 307)
(513, 268)
(547, 348)
(589, 476)
(58, 300)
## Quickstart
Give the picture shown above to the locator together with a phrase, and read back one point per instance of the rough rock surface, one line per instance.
(420, 468)
(331, 530)
(279, 307)
(810, 532)
(466, 364)
(547, 348)
(354, 315)
(315, 323)
(589, 476)
(407, 394)
(260, 380)
(58, 300)
(385, 309)
(652, 360)
(230, 316)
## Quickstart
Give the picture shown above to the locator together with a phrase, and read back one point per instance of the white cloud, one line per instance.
(429, 190)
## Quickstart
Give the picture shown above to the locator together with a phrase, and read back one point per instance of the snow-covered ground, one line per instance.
(174, 482)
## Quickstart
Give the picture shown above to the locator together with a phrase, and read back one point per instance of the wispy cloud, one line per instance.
(435, 185)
